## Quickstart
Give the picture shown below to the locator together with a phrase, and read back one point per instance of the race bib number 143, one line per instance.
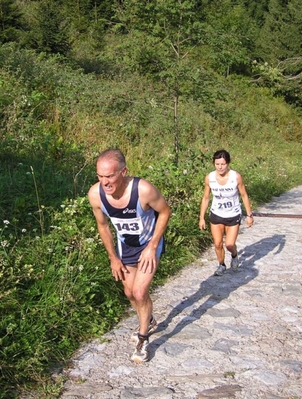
(128, 226)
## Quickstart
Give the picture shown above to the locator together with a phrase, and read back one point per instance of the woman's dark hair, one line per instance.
(222, 154)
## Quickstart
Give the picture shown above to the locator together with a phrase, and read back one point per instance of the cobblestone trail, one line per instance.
(234, 336)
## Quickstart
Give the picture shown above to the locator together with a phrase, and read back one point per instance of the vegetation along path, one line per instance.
(234, 336)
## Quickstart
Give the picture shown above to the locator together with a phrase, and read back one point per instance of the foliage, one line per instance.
(56, 286)
(48, 31)
(230, 35)
(56, 295)
(278, 37)
(10, 21)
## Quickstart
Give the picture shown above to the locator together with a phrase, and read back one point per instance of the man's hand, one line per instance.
(118, 269)
(147, 260)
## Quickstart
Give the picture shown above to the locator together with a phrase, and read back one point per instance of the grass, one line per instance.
(56, 288)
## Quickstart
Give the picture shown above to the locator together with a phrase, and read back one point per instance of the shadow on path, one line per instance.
(216, 289)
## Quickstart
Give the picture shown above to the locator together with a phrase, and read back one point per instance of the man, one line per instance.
(140, 216)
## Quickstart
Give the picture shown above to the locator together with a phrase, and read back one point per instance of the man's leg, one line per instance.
(136, 288)
(143, 302)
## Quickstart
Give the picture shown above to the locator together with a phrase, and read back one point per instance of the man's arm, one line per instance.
(105, 233)
(150, 197)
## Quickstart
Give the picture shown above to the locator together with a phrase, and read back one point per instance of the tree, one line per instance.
(230, 35)
(49, 31)
(280, 36)
(10, 21)
(280, 50)
(164, 34)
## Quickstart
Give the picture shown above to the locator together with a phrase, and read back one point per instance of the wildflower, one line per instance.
(23, 230)
(81, 267)
(6, 222)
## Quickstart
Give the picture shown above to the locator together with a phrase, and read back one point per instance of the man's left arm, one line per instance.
(150, 197)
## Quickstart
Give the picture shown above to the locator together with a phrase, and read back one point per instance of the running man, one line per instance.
(139, 214)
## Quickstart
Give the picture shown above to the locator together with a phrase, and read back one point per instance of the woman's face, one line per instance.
(221, 166)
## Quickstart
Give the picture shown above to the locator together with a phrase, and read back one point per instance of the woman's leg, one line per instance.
(230, 239)
(217, 231)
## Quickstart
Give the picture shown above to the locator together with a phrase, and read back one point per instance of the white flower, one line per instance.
(6, 221)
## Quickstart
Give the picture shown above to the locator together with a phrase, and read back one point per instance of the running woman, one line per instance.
(225, 185)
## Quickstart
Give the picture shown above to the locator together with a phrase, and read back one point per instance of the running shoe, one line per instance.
(235, 263)
(140, 353)
(220, 270)
(152, 327)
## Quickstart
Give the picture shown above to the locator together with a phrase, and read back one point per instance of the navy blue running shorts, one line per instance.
(129, 255)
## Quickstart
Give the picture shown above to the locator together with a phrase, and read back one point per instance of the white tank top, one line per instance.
(226, 201)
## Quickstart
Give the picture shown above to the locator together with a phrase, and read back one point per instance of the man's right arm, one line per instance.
(105, 233)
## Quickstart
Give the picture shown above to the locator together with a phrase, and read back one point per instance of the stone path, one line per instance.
(234, 336)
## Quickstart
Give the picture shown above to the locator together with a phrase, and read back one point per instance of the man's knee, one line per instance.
(140, 295)
(129, 294)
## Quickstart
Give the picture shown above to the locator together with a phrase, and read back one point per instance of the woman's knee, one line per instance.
(218, 245)
(231, 247)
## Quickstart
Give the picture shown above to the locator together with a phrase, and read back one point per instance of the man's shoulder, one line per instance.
(145, 185)
(94, 190)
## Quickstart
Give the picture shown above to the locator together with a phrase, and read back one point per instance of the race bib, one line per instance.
(226, 204)
(128, 226)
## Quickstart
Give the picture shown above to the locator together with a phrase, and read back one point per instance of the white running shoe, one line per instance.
(152, 327)
(140, 353)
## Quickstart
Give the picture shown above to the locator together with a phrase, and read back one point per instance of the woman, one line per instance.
(225, 213)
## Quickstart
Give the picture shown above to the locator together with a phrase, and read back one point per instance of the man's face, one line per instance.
(110, 175)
